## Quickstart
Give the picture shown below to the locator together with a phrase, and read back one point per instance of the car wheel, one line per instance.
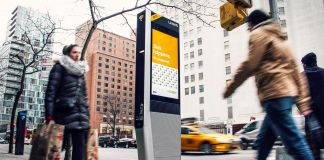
(206, 148)
(244, 145)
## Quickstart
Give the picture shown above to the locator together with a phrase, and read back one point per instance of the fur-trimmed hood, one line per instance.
(72, 67)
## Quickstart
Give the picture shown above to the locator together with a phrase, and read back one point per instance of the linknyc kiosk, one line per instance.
(157, 102)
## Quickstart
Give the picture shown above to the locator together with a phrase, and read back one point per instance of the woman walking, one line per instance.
(66, 98)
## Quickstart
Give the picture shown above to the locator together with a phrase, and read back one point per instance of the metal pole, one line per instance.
(274, 9)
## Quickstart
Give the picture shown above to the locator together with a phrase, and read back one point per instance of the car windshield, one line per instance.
(206, 130)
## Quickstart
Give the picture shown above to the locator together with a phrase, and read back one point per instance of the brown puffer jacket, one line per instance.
(272, 63)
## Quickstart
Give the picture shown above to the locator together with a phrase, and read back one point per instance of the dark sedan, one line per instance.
(107, 141)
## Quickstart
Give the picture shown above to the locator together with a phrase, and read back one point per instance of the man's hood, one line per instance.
(271, 27)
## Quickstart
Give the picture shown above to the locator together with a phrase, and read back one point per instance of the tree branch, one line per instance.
(92, 11)
(126, 20)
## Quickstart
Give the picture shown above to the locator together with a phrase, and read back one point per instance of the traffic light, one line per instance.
(232, 17)
(241, 3)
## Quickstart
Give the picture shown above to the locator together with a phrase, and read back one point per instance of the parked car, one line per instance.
(107, 141)
(199, 138)
(2, 141)
(126, 143)
(248, 134)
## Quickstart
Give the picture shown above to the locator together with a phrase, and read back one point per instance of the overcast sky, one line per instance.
(71, 13)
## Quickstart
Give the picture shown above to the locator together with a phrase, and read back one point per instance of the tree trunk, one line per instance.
(14, 108)
(86, 43)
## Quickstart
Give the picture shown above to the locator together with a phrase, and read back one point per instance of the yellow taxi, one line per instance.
(198, 138)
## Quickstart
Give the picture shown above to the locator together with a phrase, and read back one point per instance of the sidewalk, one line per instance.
(4, 155)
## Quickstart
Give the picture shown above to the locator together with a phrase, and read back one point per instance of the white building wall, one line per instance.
(245, 102)
(305, 21)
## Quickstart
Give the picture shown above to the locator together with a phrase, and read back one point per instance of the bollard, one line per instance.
(322, 154)
(281, 154)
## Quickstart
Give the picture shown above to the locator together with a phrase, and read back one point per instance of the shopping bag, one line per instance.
(55, 142)
(92, 145)
(47, 142)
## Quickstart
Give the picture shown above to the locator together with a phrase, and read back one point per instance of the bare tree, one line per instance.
(114, 111)
(30, 56)
(203, 11)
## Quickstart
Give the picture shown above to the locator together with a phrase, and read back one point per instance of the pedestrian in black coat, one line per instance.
(66, 99)
(315, 76)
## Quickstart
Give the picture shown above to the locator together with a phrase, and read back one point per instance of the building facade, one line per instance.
(32, 98)
(110, 81)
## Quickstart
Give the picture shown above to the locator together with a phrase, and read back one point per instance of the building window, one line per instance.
(201, 88)
(191, 32)
(192, 54)
(185, 45)
(229, 100)
(98, 89)
(193, 90)
(186, 56)
(99, 76)
(198, 29)
(192, 77)
(201, 100)
(283, 23)
(200, 52)
(281, 10)
(228, 70)
(186, 79)
(100, 58)
(186, 91)
(225, 33)
(185, 34)
(201, 76)
(226, 44)
(192, 66)
(186, 67)
(200, 64)
(199, 40)
(202, 115)
(230, 112)
(227, 57)
(104, 48)
(99, 83)
(192, 43)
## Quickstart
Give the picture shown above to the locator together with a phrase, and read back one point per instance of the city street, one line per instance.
(131, 154)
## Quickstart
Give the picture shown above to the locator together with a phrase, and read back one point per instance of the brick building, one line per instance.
(110, 81)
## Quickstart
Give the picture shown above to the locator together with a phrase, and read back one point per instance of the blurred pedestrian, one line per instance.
(315, 76)
(66, 99)
(279, 84)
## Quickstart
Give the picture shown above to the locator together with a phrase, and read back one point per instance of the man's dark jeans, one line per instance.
(279, 122)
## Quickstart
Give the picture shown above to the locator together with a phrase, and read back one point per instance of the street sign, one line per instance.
(232, 17)
(241, 3)
(157, 99)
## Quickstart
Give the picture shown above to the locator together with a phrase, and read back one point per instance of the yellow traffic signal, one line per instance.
(241, 3)
(232, 17)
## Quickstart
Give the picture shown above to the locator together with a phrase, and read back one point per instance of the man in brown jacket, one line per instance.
(279, 83)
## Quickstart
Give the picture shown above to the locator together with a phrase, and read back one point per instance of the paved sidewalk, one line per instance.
(4, 155)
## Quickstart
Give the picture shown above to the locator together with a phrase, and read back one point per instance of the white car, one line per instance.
(2, 141)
